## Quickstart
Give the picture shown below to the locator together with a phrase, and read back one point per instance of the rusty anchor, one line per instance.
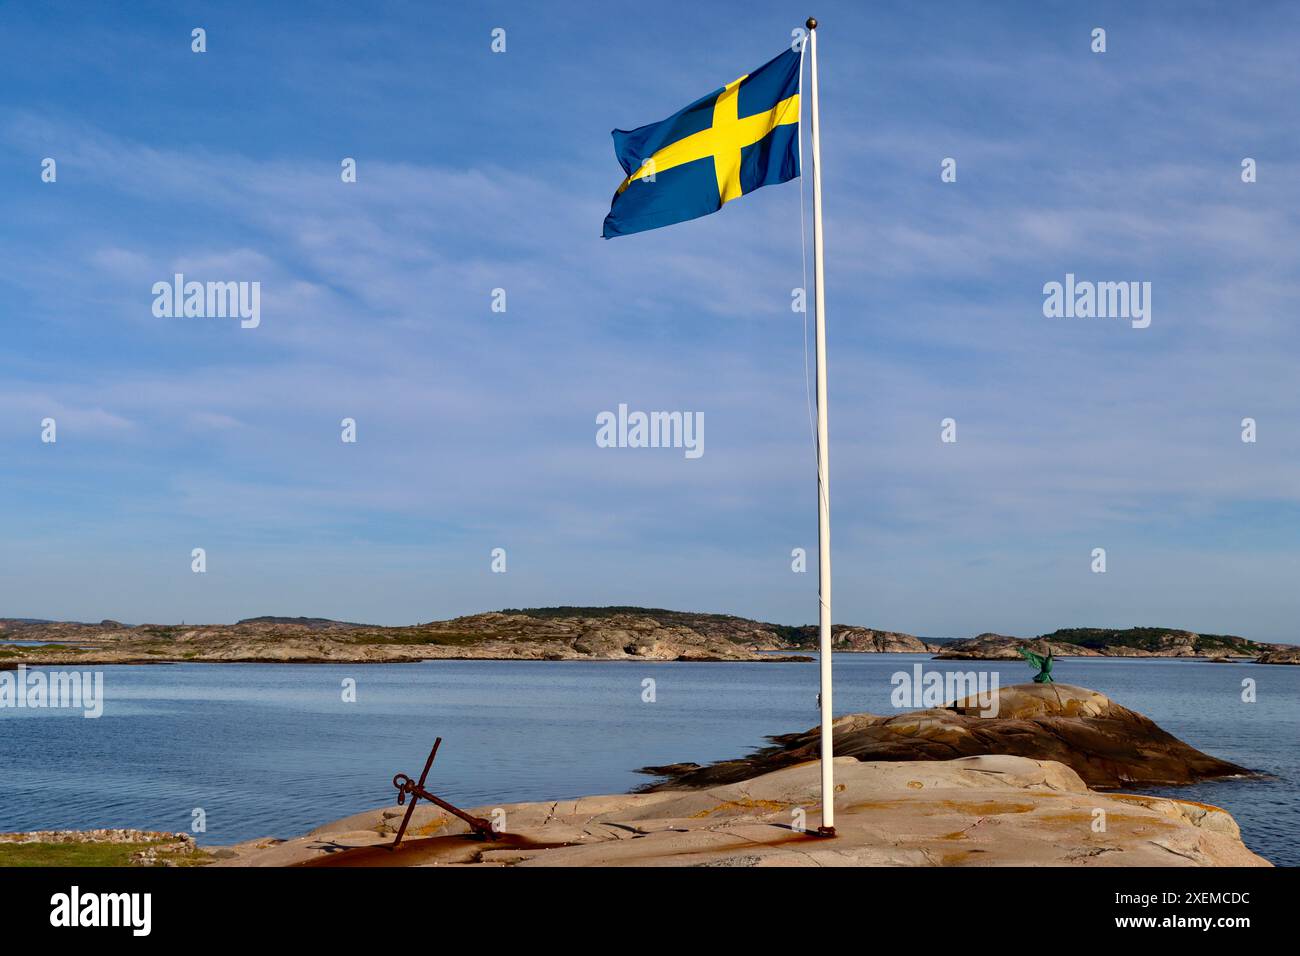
(408, 787)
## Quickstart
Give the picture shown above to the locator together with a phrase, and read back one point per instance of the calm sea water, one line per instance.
(272, 749)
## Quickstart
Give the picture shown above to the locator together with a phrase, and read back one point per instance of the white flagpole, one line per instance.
(827, 827)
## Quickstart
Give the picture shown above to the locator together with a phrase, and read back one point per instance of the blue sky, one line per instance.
(476, 429)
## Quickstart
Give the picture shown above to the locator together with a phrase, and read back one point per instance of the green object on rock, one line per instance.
(1044, 664)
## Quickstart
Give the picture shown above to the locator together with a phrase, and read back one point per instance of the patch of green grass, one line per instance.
(37, 648)
(86, 854)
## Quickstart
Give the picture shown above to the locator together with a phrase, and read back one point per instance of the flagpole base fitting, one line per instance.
(826, 831)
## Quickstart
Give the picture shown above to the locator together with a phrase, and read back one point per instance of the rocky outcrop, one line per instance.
(972, 811)
(999, 647)
(1287, 655)
(508, 636)
(562, 633)
(758, 635)
(1104, 642)
(866, 640)
(1108, 745)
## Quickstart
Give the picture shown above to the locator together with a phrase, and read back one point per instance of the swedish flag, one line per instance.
(729, 143)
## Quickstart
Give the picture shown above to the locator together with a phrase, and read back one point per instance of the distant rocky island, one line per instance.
(1125, 642)
(570, 633)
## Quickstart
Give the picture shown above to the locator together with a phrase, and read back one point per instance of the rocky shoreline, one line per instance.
(1129, 642)
(491, 636)
(970, 811)
(569, 633)
(104, 847)
(1108, 745)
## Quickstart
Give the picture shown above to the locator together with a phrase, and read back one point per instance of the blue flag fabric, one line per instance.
(721, 147)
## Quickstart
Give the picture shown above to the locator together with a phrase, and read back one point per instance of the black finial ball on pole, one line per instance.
(812, 23)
